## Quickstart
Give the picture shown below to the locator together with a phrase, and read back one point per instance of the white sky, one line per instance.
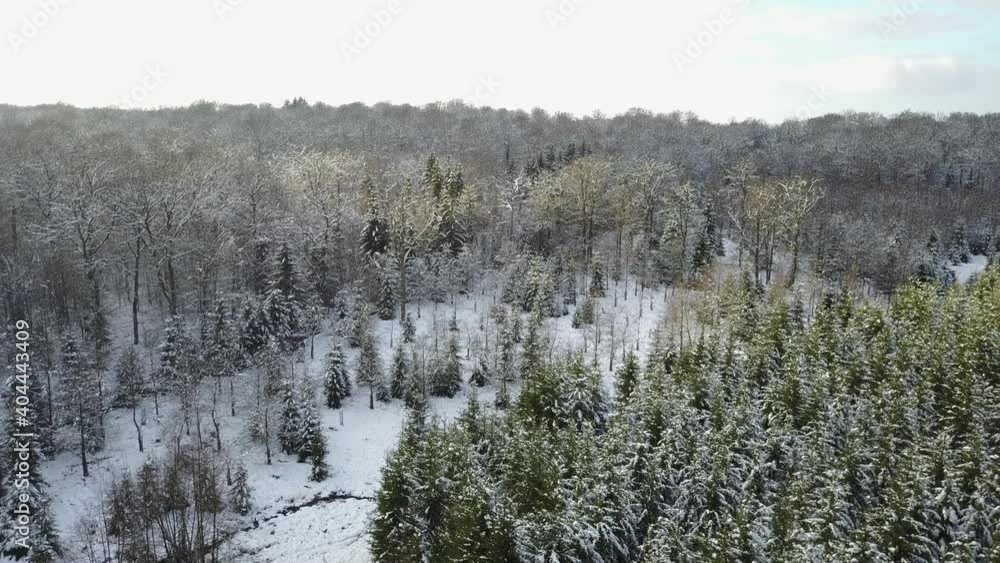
(768, 58)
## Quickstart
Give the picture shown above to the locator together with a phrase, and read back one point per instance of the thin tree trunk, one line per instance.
(138, 430)
(135, 291)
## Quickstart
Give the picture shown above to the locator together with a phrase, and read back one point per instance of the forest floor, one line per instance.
(293, 518)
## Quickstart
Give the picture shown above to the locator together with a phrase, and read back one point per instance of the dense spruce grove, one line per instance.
(823, 386)
(861, 434)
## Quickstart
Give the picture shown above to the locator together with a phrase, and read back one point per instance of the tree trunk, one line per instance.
(83, 442)
(135, 292)
(138, 430)
(401, 265)
(171, 286)
(795, 256)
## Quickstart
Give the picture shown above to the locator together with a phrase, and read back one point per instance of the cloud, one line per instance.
(802, 23)
(931, 75)
(877, 74)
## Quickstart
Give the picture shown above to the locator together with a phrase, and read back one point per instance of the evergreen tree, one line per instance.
(433, 178)
(176, 354)
(320, 272)
(180, 367)
(21, 484)
(417, 387)
(451, 233)
(360, 325)
(219, 353)
(531, 358)
(81, 396)
(958, 249)
(399, 377)
(387, 299)
(291, 421)
(448, 376)
(626, 379)
(375, 233)
(337, 383)
(704, 253)
(312, 442)
(569, 288)
(584, 314)
(254, 330)
(397, 531)
(480, 374)
(241, 494)
(370, 372)
(409, 329)
(539, 291)
(597, 287)
(284, 301)
(131, 385)
(506, 369)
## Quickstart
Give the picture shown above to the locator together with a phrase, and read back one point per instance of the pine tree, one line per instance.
(254, 329)
(21, 483)
(291, 421)
(626, 379)
(179, 366)
(480, 374)
(360, 323)
(703, 255)
(713, 231)
(568, 288)
(958, 249)
(284, 301)
(409, 329)
(506, 368)
(336, 382)
(584, 314)
(515, 328)
(82, 398)
(313, 444)
(387, 299)
(448, 376)
(539, 290)
(597, 288)
(370, 372)
(417, 388)
(398, 378)
(531, 358)
(320, 273)
(375, 233)
(432, 178)
(241, 494)
(176, 354)
(219, 353)
(396, 531)
(451, 233)
(131, 384)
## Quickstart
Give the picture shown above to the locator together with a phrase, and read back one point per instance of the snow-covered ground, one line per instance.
(965, 272)
(295, 519)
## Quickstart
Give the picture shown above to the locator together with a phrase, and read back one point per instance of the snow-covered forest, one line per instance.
(449, 334)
